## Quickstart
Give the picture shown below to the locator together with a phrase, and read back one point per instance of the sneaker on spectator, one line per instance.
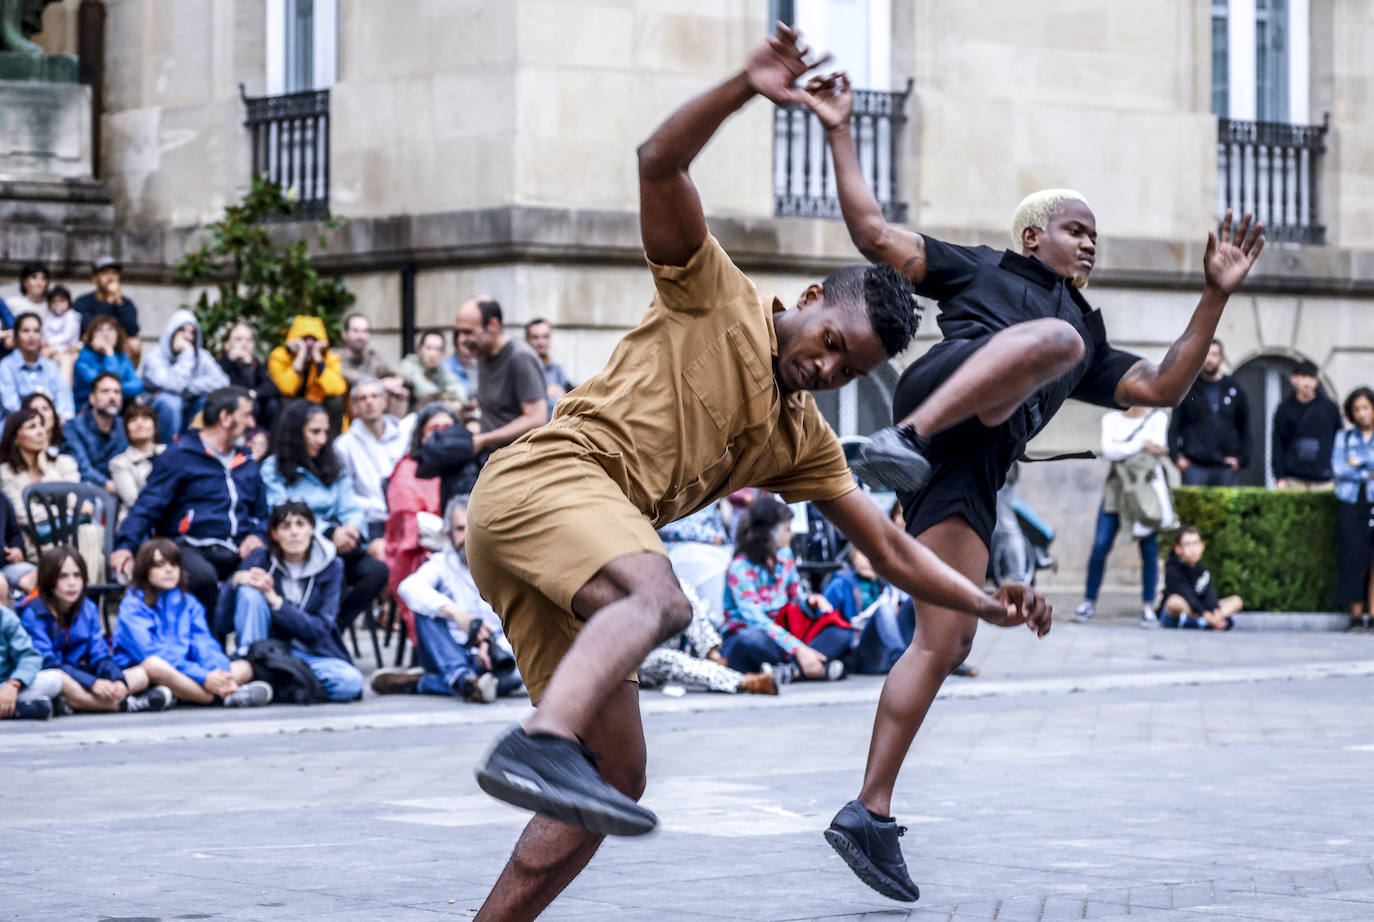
(782, 673)
(480, 689)
(252, 695)
(758, 683)
(390, 681)
(1148, 619)
(1085, 612)
(869, 846)
(61, 707)
(157, 698)
(557, 777)
(834, 670)
(33, 709)
(965, 670)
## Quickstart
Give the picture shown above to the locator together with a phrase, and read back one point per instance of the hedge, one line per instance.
(1277, 550)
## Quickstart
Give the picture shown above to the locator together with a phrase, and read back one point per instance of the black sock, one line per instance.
(913, 438)
(879, 817)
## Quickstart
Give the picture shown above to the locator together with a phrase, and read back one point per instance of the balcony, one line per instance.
(289, 135)
(1271, 169)
(803, 181)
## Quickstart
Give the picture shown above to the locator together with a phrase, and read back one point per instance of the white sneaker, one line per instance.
(1085, 612)
(1148, 618)
(251, 695)
(481, 690)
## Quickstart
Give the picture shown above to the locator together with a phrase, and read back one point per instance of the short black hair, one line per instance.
(59, 291)
(534, 323)
(1356, 394)
(1305, 367)
(490, 309)
(426, 334)
(1184, 531)
(893, 309)
(102, 376)
(224, 400)
(29, 269)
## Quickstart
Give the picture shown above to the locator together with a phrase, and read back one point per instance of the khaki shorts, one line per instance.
(543, 519)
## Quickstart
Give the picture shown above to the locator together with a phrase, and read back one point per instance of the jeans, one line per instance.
(175, 412)
(1107, 525)
(883, 640)
(253, 622)
(1199, 476)
(449, 665)
(749, 649)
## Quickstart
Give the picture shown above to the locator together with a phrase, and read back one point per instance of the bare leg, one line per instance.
(1177, 606)
(183, 687)
(136, 677)
(1229, 606)
(637, 604)
(942, 641)
(28, 581)
(1000, 376)
(82, 700)
(550, 854)
(241, 670)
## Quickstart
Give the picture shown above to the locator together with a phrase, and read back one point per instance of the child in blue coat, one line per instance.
(65, 629)
(162, 628)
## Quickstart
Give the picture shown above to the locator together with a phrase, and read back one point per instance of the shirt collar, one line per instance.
(794, 400)
(1033, 270)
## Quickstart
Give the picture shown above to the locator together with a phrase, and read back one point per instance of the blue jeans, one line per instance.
(1199, 476)
(253, 622)
(448, 664)
(1108, 523)
(883, 640)
(175, 411)
(749, 649)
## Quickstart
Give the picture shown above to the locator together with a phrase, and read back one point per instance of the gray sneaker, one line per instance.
(1085, 612)
(893, 458)
(1148, 619)
(252, 695)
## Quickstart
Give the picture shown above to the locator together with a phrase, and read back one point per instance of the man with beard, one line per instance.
(97, 433)
(1209, 435)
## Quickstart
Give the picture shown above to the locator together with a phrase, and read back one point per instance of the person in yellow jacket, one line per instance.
(304, 367)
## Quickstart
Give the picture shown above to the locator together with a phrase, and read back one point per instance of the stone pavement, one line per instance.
(1102, 773)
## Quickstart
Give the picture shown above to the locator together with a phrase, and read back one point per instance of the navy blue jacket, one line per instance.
(92, 448)
(11, 535)
(80, 650)
(91, 307)
(313, 621)
(191, 494)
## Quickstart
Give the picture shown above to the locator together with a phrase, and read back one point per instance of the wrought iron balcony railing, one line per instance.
(290, 140)
(1272, 169)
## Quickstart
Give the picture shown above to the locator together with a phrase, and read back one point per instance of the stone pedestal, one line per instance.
(45, 130)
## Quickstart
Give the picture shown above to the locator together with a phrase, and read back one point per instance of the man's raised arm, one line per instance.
(671, 221)
(1225, 264)
(832, 99)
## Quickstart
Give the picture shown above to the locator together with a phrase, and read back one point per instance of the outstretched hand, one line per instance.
(1229, 256)
(1024, 606)
(775, 66)
(832, 99)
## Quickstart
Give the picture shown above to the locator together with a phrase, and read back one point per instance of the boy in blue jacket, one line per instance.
(26, 689)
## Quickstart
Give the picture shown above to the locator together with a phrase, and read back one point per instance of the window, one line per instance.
(302, 45)
(1221, 60)
(1271, 60)
(1260, 60)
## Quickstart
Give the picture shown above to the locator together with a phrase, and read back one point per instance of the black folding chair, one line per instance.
(55, 512)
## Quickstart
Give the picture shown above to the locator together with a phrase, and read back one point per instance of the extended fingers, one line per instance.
(1246, 220)
(1253, 240)
(1225, 235)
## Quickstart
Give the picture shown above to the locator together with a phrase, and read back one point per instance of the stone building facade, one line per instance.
(488, 146)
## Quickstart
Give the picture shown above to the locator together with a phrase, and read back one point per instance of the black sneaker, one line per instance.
(33, 709)
(157, 698)
(871, 850)
(557, 777)
(894, 458)
(61, 707)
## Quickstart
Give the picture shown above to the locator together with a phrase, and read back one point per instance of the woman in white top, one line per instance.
(1126, 434)
(130, 468)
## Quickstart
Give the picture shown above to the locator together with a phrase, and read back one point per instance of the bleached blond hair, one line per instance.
(1036, 210)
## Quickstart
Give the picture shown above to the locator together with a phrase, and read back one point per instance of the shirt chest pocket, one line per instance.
(729, 381)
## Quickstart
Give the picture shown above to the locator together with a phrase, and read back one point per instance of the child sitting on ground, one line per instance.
(1190, 599)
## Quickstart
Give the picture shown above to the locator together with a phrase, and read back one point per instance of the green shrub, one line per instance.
(1276, 550)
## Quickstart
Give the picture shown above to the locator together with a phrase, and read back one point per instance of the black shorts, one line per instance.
(970, 461)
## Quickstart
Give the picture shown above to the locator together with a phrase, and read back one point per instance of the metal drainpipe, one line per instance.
(90, 47)
(408, 308)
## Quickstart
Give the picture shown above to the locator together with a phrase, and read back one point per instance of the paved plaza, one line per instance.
(1102, 773)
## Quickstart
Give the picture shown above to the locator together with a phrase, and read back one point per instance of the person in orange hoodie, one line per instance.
(304, 367)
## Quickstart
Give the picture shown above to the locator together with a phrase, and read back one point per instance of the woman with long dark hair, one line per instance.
(65, 628)
(44, 405)
(1352, 462)
(24, 459)
(305, 467)
(769, 620)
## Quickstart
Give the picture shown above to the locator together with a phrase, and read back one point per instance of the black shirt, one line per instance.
(1212, 424)
(1303, 436)
(91, 307)
(982, 291)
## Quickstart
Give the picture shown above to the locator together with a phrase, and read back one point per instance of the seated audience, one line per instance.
(109, 298)
(241, 364)
(408, 495)
(369, 450)
(1190, 598)
(26, 371)
(871, 605)
(290, 590)
(304, 367)
(103, 353)
(97, 433)
(538, 336)
(358, 361)
(130, 468)
(16, 573)
(162, 629)
(304, 466)
(458, 637)
(65, 628)
(693, 659)
(26, 688)
(24, 460)
(1352, 461)
(765, 607)
(61, 331)
(425, 375)
(179, 373)
(48, 410)
(206, 495)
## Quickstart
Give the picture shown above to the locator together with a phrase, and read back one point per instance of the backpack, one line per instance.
(291, 678)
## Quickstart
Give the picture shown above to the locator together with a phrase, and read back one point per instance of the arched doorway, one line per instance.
(1264, 379)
